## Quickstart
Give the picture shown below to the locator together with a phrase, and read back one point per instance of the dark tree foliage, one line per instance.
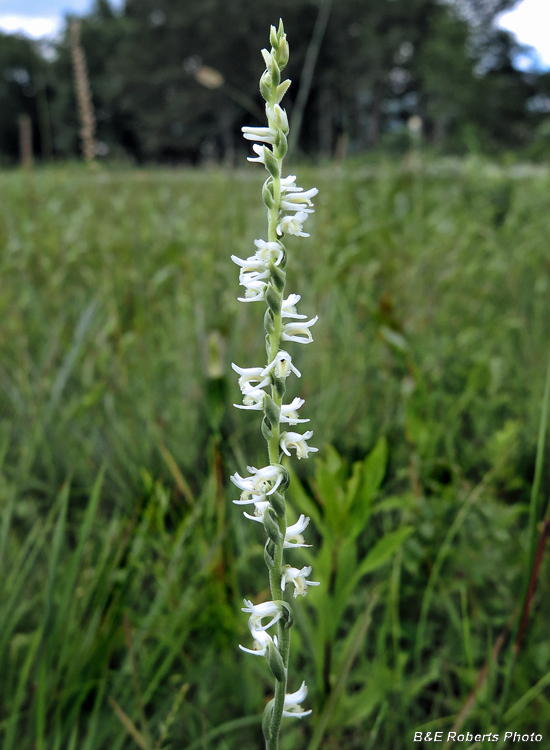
(380, 62)
(22, 85)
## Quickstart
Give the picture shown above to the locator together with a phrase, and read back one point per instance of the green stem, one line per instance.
(276, 572)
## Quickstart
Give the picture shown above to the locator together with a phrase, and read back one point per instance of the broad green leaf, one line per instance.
(375, 465)
(331, 493)
(300, 498)
(382, 551)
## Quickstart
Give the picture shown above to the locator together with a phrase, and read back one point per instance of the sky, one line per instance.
(529, 21)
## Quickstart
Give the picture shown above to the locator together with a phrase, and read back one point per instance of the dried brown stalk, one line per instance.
(25, 141)
(83, 93)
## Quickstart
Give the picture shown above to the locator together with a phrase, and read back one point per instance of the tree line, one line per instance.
(174, 80)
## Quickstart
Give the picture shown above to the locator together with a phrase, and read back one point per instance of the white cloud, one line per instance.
(34, 26)
(530, 23)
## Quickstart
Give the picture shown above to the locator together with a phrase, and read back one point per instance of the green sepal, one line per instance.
(267, 194)
(269, 554)
(281, 144)
(272, 528)
(266, 429)
(279, 384)
(282, 88)
(271, 410)
(275, 661)
(273, 300)
(275, 73)
(271, 163)
(266, 720)
(278, 504)
(273, 38)
(268, 321)
(278, 277)
(287, 614)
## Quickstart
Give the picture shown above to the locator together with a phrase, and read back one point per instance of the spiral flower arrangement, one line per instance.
(263, 389)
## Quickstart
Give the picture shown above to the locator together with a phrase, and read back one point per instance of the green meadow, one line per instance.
(124, 562)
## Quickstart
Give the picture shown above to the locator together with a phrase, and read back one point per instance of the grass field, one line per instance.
(125, 563)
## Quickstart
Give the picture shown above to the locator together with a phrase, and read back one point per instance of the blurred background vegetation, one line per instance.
(124, 562)
(379, 63)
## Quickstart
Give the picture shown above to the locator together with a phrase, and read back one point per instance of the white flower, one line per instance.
(260, 151)
(293, 224)
(269, 251)
(259, 611)
(253, 398)
(288, 308)
(250, 375)
(294, 532)
(251, 264)
(263, 135)
(298, 199)
(248, 279)
(292, 706)
(298, 578)
(298, 194)
(255, 291)
(289, 412)
(260, 509)
(297, 441)
(261, 641)
(298, 331)
(255, 488)
(282, 365)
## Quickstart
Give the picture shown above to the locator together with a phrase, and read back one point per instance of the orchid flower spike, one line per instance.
(263, 277)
